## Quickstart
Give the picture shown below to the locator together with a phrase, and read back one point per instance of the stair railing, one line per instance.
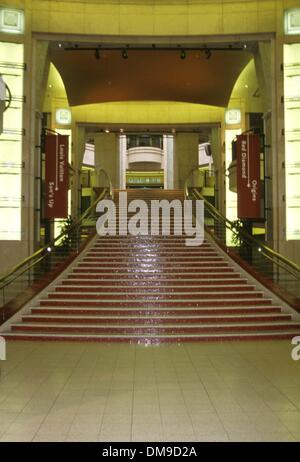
(274, 269)
(52, 257)
(108, 179)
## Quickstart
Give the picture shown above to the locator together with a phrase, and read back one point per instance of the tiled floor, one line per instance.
(236, 391)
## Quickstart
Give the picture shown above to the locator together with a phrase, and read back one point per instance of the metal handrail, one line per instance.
(241, 232)
(110, 188)
(185, 186)
(45, 249)
(246, 235)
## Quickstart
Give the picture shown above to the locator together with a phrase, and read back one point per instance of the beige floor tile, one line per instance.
(239, 391)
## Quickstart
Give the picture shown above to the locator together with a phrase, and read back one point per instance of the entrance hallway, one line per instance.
(237, 391)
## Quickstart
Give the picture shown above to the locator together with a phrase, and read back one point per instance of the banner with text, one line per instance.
(248, 176)
(56, 176)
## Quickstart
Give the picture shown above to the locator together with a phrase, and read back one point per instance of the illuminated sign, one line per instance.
(292, 21)
(233, 117)
(63, 116)
(11, 21)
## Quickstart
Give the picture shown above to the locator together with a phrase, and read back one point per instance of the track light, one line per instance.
(207, 53)
(124, 54)
(97, 53)
(182, 54)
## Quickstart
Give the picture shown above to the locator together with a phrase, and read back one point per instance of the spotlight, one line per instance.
(182, 54)
(207, 53)
(97, 53)
(124, 54)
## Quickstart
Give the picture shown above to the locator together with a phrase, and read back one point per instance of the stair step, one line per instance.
(142, 329)
(197, 279)
(134, 284)
(149, 297)
(155, 311)
(149, 289)
(152, 276)
(153, 338)
(162, 319)
(146, 304)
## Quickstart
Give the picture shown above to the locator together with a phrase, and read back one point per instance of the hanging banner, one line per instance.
(248, 176)
(56, 176)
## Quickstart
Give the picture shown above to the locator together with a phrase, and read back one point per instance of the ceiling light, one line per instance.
(106, 131)
(207, 53)
(124, 54)
(245, 45)
(59, 45)
(182, 54)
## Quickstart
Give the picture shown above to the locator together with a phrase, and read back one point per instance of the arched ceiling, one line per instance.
(153, 75)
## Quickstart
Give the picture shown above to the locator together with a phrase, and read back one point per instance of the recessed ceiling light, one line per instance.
(182, 54)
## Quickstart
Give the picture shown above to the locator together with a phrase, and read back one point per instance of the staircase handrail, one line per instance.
(276, 256)
(44, 251)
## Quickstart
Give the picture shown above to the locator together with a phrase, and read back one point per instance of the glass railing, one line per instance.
(277, 272)
(36, 270)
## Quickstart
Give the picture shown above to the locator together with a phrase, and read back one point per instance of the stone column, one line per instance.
(78, 146)
(185, 156)
(107, 156)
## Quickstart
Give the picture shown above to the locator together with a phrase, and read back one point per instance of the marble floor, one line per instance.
(233, 391)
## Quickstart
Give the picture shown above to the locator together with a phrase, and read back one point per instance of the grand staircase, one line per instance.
(153, 289)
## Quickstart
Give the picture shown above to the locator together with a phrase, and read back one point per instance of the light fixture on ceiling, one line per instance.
(182, 54)
(106, 131)
(207, 53)
(245, 46)
(59, 45)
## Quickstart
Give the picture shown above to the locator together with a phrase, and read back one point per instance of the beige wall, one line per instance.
(140, 21)
(146, 17)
